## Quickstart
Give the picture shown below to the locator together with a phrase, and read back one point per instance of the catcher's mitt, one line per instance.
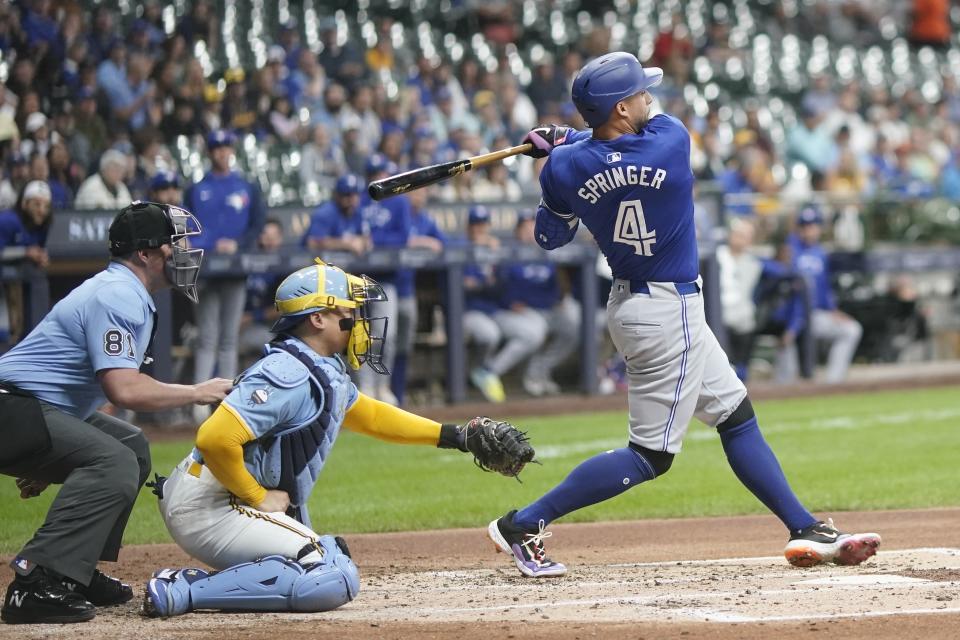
(497, 446)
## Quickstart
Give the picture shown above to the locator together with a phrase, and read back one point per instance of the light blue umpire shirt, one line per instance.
(105, 323)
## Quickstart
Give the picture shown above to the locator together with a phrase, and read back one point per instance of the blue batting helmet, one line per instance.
(605, 81)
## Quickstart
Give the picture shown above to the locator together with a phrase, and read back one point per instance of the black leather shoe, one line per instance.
(103, 591)
(39, 598)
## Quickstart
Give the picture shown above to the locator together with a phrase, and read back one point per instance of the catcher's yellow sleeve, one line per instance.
(386, 422)
(220, 440)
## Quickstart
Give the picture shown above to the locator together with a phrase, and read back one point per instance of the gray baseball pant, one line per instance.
(526, 332)
(218, 315)
(481, 329)
(843, 336)
(102, 463)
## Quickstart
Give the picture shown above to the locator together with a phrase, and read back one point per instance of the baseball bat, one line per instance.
(419, 178)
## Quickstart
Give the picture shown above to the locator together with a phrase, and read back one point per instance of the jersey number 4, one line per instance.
(632, 229)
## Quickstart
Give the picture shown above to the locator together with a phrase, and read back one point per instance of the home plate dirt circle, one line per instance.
(723, 590)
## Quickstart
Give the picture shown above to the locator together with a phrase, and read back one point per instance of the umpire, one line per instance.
(87, 350)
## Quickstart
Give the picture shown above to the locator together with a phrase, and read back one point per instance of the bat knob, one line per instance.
(376, 190)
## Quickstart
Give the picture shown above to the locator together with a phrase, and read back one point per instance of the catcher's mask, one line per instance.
(149, 225)
(321, 287)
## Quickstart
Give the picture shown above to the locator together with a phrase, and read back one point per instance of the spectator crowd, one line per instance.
(100, 107)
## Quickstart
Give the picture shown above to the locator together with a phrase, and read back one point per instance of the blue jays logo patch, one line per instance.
(613, 157)
(259, 396)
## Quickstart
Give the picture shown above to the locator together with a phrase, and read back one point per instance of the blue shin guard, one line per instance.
(273, 583)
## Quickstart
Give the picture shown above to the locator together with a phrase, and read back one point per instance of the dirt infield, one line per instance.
(718, 578)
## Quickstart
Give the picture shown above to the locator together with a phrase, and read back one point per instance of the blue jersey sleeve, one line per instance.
(576, 136)
(396, 232)
(263, 406)
(556, 225)
(116, 329)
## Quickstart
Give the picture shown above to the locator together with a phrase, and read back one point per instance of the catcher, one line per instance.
(238, 501)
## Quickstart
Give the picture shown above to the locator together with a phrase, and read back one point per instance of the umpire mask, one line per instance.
(149, 225)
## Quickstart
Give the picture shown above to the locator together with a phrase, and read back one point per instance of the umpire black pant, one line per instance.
(102, 462)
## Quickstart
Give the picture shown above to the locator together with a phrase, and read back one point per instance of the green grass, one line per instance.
(874, 451)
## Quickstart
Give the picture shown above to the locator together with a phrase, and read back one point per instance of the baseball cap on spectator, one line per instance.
(525, 215)
(18, 158)
(379, 163)
(483, 98)
(138, 26)
(348, 184)
(327, 24)
(423, 132)
(37, 189)
(809, 215)
(391, 127)
(220, 138)
(86, 93)
(478, 214)
(212, 93)
(443, 93)
(164, 180)
(35, 121)
(290, 25)
(234, 75)
(276, 54)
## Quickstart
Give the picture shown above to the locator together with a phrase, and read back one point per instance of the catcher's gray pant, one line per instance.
(102, 463)
(842, 332)
(675, 367)
(218, 315)
(482, 330)
(525, 333)
(369, 381)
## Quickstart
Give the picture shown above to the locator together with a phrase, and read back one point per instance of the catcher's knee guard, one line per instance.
(274, 583)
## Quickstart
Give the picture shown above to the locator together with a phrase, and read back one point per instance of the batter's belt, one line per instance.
(642, 286)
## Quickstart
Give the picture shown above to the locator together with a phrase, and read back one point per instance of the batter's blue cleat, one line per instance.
(526, 547)
(168, 592)
(822, 543)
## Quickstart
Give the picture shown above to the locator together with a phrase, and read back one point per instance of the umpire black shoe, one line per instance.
(103, 591)
(40, 598)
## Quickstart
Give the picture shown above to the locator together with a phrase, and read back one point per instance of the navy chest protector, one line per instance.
(299, 445)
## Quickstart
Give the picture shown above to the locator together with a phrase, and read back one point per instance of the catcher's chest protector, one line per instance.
(292, 454)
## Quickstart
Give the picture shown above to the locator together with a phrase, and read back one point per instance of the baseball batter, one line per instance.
(238, 501)
(629, 182)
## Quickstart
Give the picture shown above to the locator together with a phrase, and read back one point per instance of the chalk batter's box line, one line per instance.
(760, 560)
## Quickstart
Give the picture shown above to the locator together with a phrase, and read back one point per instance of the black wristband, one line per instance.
(451, 437)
